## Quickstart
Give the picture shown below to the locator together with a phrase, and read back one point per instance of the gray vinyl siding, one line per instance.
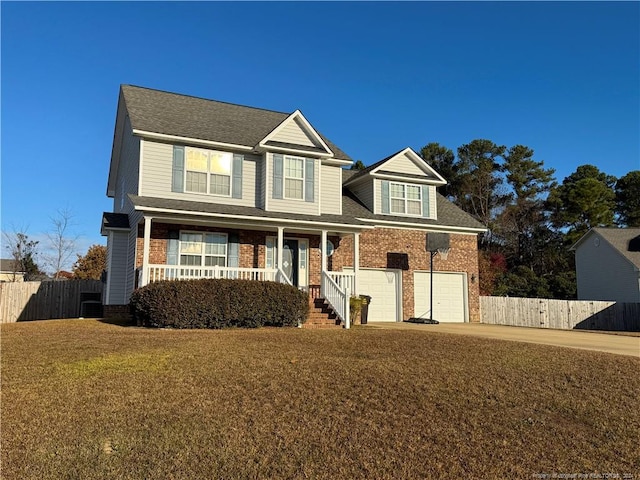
(404, 165)
(378, 198)
(130, 277)
(289, 205)
(603, 274)
(363, 190)
(128, 170)
(157, 163)
(117, 254)
(330, 189)
(293, 133)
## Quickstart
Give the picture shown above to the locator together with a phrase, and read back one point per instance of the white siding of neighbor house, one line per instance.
(403, 164)
(157, 166)
(117, 251)
(128, 170)
(289, 205)
(433, 208)
(330, 189)
(604, 274)
(293, 132)
(363, 190)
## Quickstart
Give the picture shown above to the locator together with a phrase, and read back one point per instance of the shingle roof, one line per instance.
(6, 264)
(449, 215)
(115, 220)
(363, 172)
(625, 240)
(258, 213)
(192, 117)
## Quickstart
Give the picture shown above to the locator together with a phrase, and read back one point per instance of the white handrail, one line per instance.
(344, 280)
(338, 298)
(184, 272)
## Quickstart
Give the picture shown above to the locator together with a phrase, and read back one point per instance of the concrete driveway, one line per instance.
(602, 342)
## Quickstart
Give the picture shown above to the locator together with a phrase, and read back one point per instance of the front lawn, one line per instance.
(90, 400)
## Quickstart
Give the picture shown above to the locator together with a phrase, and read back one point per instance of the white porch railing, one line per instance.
(344, 280)
(337, 297)
(183, 272)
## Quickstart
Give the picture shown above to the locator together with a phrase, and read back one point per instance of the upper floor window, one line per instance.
(203, 249)
(208, 171)
(294, 177)
(405, 199)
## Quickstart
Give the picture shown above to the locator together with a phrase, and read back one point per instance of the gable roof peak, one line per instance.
(411, 153)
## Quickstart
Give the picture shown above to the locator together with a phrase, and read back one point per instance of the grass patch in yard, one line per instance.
(115, 363)
(85, 399)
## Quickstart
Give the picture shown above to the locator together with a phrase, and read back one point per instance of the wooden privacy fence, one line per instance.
(44, 300)
(561, 314)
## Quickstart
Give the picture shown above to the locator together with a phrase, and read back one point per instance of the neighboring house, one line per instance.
(8, 272)
(608, 265)
(204, 188)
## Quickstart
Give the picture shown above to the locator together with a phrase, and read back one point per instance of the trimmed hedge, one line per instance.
(218, 303)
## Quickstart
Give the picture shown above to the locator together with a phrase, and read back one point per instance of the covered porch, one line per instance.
(299, 254)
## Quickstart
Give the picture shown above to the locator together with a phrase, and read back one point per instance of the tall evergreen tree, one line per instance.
(628, 199)
(481, 190)
(584, 200)
(524, 219)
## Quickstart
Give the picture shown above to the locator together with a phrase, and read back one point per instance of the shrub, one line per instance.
(219, 303)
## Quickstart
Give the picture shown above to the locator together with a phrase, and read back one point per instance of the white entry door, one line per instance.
(383, 286)
(449, 296)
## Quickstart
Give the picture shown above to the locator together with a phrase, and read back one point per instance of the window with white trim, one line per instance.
(203, 249)
(293, 177)
(208, 171)
(405, 199)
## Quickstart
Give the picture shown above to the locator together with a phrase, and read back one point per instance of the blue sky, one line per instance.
(561, 78)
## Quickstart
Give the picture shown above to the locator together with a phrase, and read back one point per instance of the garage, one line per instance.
(383, 285)
(449, 296)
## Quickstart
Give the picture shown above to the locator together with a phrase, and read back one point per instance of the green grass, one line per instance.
(90, 400)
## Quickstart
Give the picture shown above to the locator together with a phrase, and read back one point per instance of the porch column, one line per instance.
(280, 247)
(356, 261)
(323, 250)
(145, 250)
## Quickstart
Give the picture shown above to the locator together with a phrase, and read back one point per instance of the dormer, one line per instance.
(401, 185)
(299, 169)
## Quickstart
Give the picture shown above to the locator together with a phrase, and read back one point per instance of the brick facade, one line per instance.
(379, 248)
(405, 250)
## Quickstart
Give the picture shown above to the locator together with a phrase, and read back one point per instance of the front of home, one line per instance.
(205, 189)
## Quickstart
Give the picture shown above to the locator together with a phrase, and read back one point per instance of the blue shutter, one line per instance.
(233, 250)
(385, 197)
(425, 201)
(177, 181)
(308, 180)
(173, 247)
(277, 175)
(236, 186)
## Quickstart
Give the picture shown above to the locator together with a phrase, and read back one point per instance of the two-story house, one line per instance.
(203, 188)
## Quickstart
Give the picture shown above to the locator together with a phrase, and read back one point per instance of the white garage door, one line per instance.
(449, 296)
(383, 286)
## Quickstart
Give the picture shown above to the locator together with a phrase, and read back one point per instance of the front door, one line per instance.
(290, 265)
